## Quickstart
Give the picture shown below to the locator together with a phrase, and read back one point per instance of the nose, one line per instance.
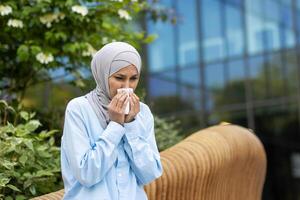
(126, 84)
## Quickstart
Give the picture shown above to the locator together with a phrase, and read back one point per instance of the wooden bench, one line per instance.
(220, 162)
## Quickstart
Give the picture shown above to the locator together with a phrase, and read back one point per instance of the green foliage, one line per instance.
(166, 132)
(40, 35)
(29, 159)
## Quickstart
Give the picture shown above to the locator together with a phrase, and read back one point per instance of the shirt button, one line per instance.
(119, 174)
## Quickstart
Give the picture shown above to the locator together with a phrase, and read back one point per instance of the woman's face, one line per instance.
(126, 77)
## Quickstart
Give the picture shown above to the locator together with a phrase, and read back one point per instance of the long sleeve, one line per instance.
(141, 148)
(89, 162)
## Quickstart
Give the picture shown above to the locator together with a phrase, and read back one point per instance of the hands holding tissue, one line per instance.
(124, 106)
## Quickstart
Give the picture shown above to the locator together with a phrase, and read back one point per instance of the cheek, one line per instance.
(113, 86)
(134, 84)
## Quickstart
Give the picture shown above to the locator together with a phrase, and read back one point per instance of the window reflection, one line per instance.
(276, 75)
(159, 86)
(235, 2)
(162, 50)
(292, 71)
(272, 36)
(254, 7)
(234, 90)
(234, 117)
(288, 38)
(191, 96)
(213, 41)
(255, 34)
(257, 75)
(188, 43)
(286, 16)
(234, 33)
(190, 76)
(214, 82)
(271, 8)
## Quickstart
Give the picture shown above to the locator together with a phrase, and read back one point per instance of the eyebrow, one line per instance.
(125, 75)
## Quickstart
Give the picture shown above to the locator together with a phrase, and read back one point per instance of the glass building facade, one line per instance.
(236, 61)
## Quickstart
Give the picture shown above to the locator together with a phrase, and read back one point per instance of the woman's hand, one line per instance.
(117, 107)
(134, 107)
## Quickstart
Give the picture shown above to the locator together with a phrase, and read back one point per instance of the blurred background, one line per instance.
(204, 62)
(235, 61)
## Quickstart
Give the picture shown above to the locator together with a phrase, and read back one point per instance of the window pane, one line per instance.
(288, 38)
(257, 77)
(272, 10)
(214, 82)
(276, 75)
(234, 117)
(213, 42)
(292, 66)
(235, 87)
(255, 34)
(191, 96)
(159, 86)
(162, 50)
(188, 43)
(286, 16)
(190, 76)
(254, 7)
(234, 35)
(272, 36)
(235, 2)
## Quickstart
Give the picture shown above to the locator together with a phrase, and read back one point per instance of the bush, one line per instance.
(29, 159)
(166, 132)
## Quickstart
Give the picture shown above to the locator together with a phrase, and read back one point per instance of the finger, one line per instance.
(121, 100)
(114, 100)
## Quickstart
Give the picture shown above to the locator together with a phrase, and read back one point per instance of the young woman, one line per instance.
(105, 153)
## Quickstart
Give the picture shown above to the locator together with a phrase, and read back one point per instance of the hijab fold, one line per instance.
(107, 61)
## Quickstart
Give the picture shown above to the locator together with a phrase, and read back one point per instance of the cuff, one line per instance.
(113, 132)
(131, 128)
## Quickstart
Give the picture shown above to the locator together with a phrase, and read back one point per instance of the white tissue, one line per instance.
(128, 91)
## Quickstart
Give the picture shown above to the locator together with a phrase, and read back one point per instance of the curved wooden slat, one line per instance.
(218, 163)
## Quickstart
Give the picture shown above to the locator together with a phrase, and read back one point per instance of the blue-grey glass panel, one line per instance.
(191, 96)
(214, 82)
(287, 2)
(254, 7)
(298, 19)
(272, 35)
(288, 37)
(272, 10)
(255, 36)
(234, 117)
(187, 33)
(298, 4)
(286, 16)
(161, 52)
(190, 77)
(235, 86)
(234, 31)
(292, 71)
(236, 70)
(257, 75)
(213, 41)
(235, 2)
(168, 75)
(160, 87)
(276, 75)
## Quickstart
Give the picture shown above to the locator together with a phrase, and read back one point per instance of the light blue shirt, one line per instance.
(110, 164)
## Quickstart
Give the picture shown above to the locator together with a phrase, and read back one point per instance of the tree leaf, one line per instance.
(23, 53)
(32, 189)
(13, 187)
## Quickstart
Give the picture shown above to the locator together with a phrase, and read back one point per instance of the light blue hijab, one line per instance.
(109, 59)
